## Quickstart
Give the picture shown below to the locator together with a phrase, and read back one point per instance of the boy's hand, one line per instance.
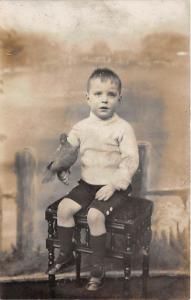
(105, 192)
(64, 177)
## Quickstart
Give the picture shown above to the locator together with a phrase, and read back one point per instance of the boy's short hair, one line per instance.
(104, 74)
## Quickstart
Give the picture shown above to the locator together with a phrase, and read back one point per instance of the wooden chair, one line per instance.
(132, 222)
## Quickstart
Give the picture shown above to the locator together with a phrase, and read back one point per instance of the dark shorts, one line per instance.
(84, 194)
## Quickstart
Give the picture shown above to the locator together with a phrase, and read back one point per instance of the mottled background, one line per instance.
(47, 51)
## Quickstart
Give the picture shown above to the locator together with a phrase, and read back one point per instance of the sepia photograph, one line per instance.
(94, 149)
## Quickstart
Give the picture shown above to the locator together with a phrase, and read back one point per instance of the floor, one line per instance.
(158, 288)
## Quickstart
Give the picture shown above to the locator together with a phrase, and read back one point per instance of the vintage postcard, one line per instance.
(113, 76)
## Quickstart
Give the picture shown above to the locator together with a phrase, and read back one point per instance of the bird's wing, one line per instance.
(66, 158)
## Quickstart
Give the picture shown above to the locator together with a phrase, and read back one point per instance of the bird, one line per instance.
(65, 156)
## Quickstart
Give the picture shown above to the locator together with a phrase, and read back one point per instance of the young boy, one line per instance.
(109, 159)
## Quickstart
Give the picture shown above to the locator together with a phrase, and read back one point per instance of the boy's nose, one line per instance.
(104, 99)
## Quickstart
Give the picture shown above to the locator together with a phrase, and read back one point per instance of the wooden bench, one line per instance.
(132, 222)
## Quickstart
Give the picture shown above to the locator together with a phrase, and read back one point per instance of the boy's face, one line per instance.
(103, 98)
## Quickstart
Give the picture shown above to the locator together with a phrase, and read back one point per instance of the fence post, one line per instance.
(25, 166)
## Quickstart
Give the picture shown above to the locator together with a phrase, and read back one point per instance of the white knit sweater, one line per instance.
(108, 149)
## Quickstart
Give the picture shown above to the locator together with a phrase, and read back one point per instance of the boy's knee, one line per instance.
(95, 216)
(65, 208)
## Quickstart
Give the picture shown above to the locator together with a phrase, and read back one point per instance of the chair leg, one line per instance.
(127, 273)
(51, 292)
(145, 272)
(51, 278)
(51, 223)
(145, 251)
(127, 262)
(78, 268)
(146, 263)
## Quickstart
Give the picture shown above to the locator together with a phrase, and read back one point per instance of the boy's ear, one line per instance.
(120, 98)
(87, 96)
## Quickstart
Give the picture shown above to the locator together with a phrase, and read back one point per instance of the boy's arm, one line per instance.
(129, 164)
(129, 160)
(74, 137)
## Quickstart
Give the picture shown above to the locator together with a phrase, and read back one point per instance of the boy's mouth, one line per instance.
(104, 108)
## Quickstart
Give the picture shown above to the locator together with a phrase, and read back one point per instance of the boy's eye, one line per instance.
(111, 94)
(97, 93)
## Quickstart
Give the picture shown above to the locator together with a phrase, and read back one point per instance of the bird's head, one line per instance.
(63, 138)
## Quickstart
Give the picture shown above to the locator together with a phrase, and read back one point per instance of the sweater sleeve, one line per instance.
(129, 160)
(74, 136)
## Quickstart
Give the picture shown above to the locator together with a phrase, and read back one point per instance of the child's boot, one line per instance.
(65, 257)
(97, 272)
